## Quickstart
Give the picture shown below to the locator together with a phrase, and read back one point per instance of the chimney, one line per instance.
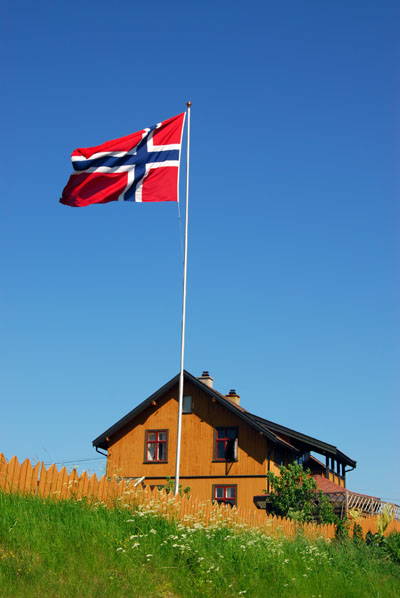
(206, 379)
(233, 396)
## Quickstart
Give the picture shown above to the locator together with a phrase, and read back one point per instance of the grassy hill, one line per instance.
(66, 549)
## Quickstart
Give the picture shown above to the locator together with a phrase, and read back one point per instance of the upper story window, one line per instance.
(156, 448)
(226, 444)
(187, 404)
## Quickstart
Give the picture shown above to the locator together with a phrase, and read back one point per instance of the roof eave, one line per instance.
(314, 443)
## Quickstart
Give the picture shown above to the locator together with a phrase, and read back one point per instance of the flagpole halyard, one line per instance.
(181, 375)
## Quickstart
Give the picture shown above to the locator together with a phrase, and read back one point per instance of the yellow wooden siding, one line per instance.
(246, 488)
(127, 447)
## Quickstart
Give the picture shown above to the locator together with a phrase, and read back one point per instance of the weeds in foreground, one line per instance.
(67, 549)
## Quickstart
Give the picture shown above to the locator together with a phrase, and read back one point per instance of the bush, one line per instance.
(389, 545)
(294, 495)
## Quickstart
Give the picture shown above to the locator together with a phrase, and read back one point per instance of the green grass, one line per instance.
(68, 549)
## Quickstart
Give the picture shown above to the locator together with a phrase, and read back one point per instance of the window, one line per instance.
(187, 404)
(225, 494)
(279, 456)
(303, 458)
(156, 446)
(226, 444)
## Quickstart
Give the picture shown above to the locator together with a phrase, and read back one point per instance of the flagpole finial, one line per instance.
(188, 104)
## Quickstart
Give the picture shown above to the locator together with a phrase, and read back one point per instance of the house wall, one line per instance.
(198, 468)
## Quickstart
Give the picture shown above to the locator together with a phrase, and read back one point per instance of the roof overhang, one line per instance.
(308, 442)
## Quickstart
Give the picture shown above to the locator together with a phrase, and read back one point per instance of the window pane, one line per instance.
(220, 450)
(219, 493)
(230, 492)
(151, 436)
(187, 404)
(151, 451)
(161, 452)
(221, 433)
(162, 436)
(231, 433)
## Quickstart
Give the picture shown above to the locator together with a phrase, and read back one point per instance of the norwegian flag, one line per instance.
(143, 166)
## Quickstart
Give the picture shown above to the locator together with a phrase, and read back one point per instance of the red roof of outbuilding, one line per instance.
(328, 486)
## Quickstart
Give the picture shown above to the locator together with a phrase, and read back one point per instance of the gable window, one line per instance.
(187, 404)
(225, 494)
(156, 446)
(226, 444)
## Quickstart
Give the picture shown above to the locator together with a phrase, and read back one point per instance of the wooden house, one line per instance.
(226, 451)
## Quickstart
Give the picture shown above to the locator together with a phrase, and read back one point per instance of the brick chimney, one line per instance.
(233, 396)
(206, 379)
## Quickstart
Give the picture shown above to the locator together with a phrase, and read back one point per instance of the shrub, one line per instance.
(294, 495)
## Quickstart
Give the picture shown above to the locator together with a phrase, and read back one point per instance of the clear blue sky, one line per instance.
(293, 281)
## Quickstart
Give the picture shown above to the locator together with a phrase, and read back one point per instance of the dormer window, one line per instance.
(226, 444)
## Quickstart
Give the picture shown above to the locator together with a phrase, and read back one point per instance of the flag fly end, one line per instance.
(141, 167)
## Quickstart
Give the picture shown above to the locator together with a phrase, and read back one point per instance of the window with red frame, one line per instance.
(156, 445)
(225, 494)
(226, 444)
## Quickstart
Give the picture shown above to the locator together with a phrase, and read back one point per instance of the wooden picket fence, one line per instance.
(370, 524)
(50, 483)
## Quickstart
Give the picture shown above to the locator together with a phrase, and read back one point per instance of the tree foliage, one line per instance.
(294, 495)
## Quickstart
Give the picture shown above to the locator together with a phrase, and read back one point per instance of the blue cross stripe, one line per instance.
(139, 159)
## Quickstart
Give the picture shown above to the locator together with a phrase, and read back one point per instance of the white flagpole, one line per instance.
(180, 403)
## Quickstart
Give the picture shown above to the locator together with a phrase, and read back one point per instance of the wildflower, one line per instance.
(152, 531)
(149, 556)
(136, 544)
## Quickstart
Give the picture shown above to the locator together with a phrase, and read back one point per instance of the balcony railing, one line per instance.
(343, 502)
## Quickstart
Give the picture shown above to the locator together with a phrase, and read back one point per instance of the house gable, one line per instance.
(127, 441)
(103, 441)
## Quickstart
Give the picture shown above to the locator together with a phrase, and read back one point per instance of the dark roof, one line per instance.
(308, 443)
(270, 430)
